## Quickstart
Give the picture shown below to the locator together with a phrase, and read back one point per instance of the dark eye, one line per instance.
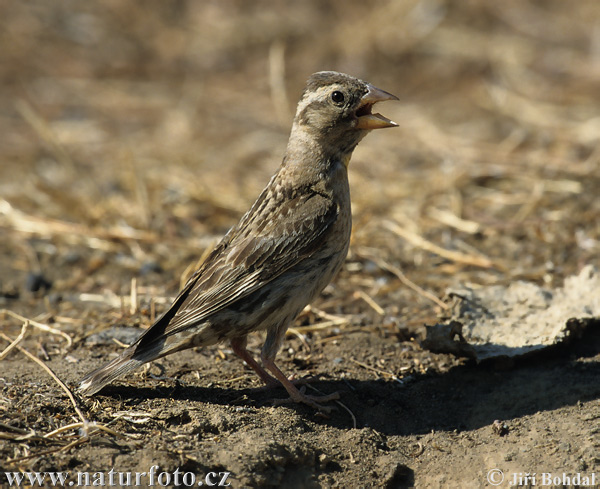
(337, 97)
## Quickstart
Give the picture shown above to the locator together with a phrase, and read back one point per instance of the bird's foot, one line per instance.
(296, 395)
(313, 401)
(272, 382)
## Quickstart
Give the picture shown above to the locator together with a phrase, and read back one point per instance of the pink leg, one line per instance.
(293, 391)
(269, 351)
(238, 345)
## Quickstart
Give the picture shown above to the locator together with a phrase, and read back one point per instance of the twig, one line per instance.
(326, 315)
(120, 343)
(87, 427)
(376, 370)
(62, 429)
(405, 280)
(369, 300)
(133, 299)
(74, 443)
(319, 326)
(420, 242)
(141, 191)
(332, 321)
(300, 336)
(106, 429)
(341, 404)
(235, 379)
(35, 324)
(46, 452)
(10, 347)
(91, 427)
(22, 222)
(62, 385)
(15, 429)
(450, 219)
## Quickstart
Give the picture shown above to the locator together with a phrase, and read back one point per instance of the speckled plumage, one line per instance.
(284, 250)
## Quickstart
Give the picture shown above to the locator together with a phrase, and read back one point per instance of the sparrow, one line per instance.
(284, 250)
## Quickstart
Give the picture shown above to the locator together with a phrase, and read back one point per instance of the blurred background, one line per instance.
(134, 134)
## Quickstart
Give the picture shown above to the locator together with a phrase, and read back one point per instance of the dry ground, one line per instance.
(134, 134)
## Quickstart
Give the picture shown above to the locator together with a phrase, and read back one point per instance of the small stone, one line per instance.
(500, 428)
(35, 282)
(150, 267)
(323, 461)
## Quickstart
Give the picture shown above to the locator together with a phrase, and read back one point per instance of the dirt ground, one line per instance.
(133, 135)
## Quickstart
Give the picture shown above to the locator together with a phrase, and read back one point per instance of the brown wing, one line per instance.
(277, 233)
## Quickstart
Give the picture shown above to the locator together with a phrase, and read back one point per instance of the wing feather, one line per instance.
(291, 228)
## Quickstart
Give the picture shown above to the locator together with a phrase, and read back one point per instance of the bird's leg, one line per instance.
(269, 350)
(238, 345)
(293, 391)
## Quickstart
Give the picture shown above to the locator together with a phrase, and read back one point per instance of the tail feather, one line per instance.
(149, 346)
(104, 375)
(144, 350)
(153, 344)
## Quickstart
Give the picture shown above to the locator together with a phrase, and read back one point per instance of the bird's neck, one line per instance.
(307, 149)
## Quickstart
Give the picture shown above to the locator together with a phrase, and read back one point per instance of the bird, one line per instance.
(284, 250)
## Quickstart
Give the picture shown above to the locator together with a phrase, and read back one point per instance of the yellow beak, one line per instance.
(367, 120)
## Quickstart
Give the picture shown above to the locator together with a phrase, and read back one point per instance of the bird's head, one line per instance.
(335, 110)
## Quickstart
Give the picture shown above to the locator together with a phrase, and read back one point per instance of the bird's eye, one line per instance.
(337, 97)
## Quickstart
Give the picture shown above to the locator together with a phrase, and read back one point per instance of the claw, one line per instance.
(239, 347)
(312, 401)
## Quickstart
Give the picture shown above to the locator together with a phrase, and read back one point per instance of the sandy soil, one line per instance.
(133, 137)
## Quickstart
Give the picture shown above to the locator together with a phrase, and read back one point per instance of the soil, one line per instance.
(134, 136)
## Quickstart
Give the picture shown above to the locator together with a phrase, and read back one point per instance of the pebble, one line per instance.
(35, 282)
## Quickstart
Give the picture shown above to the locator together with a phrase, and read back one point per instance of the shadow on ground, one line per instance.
(467, 397)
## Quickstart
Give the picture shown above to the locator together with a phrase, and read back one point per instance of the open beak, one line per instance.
(367, 120)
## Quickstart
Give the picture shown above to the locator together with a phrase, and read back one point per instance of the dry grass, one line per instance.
(138, 134)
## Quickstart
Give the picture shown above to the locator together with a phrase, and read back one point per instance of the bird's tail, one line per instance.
(156, 342)
(96, 380)
(152, 345)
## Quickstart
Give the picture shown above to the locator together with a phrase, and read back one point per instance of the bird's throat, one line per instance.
(346, 159)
